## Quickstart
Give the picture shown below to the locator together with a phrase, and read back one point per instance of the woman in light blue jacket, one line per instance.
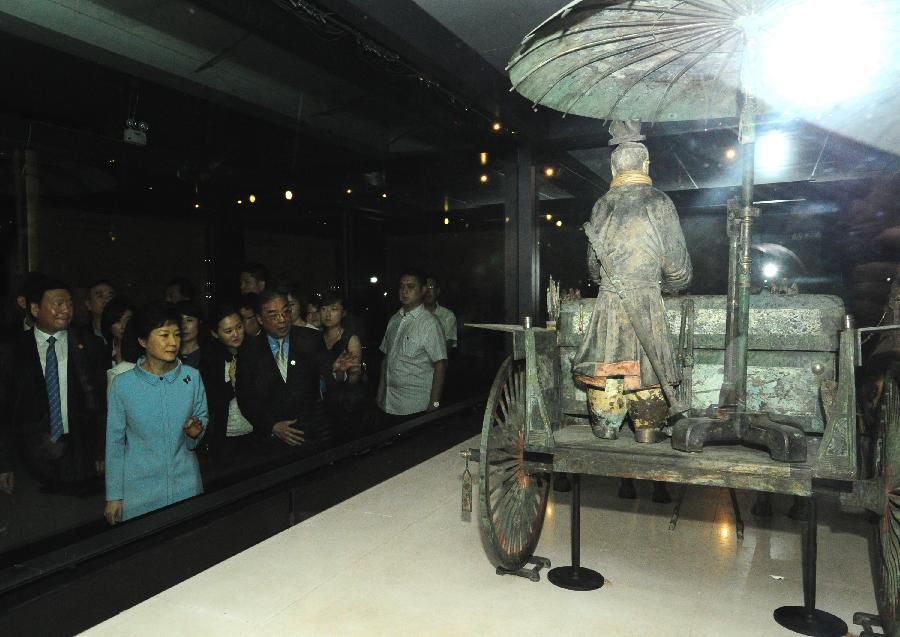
(156, 416)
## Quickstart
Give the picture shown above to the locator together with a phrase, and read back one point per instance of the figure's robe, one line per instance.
(638, 230)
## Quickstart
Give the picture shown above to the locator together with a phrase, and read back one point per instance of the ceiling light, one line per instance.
(252, 198)
(349, 191)
(240, 201)
(483, 179)
(288, 195)
(483, 158)
(731, 153)
(770, 270)
(496, 127)
(771, 151)
(549, 216)
(549, 171)
(559, 223)
(373, 279)
(446, 221)
(384, 195)
(800, 62)
(196, 205)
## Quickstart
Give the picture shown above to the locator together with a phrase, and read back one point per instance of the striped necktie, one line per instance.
(281, 361)
(51, 377)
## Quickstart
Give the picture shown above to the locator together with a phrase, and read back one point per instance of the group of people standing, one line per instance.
(159, 399)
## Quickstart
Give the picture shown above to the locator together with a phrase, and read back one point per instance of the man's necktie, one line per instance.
(51, 377)
(281, 360)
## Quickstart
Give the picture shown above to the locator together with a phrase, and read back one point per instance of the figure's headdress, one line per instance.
(627, 130)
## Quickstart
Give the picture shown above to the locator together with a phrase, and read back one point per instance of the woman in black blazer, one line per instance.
(229, 445)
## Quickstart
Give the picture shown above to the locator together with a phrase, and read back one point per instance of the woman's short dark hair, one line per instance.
(334, 296)
(257, 270)
(295, 291)
(153, 316)
(113, 313)
(219, 312)
(131, 350)
(184, 286)
(189, 308)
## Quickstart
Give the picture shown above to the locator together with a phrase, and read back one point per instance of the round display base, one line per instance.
(575, 578)
(818, 622)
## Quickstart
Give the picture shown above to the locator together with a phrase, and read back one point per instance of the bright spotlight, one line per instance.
(252, 198)
(770, 270)
(288, 195)
(446, 221)
(559, 223)
(816, 53)
(771, 151)
(373, 279)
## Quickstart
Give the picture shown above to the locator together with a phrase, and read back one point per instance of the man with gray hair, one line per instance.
(637, 251)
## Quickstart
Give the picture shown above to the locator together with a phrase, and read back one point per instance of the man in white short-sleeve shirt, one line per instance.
(415, 354)
(445, 317)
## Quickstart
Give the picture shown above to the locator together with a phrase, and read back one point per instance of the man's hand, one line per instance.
(287, 433)
(99, 467)
(193, 427)
(7, 482)
(113, 512)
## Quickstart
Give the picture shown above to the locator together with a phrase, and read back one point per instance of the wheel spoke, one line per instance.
(513, 499)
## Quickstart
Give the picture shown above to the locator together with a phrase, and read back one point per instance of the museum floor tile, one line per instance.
(400, 559)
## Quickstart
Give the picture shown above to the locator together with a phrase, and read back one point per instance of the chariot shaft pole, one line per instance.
(739, 222)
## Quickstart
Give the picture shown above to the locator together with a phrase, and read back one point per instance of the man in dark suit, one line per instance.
(54, 389)
(278, 378)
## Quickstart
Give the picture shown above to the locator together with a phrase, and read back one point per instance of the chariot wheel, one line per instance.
(886, 460)
(513, 494)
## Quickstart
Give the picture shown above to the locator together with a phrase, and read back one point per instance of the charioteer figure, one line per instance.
(637, 252)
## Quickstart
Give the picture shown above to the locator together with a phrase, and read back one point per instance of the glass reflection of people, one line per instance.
(253, 278)
(298, 304)
(247, 309)
(415, 354)
(129, 352)
(156, 415)
(313, 312)
(53, 386)
(228, 442)
(344, 346)
(346, 397)
(191, 321)
(278, 378)
(179, 289)
(445, 317)
(115, 317)
(99, 294)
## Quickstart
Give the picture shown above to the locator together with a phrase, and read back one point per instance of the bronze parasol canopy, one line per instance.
(833, 62)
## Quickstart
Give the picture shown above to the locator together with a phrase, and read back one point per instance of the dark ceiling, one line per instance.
(380, 97)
